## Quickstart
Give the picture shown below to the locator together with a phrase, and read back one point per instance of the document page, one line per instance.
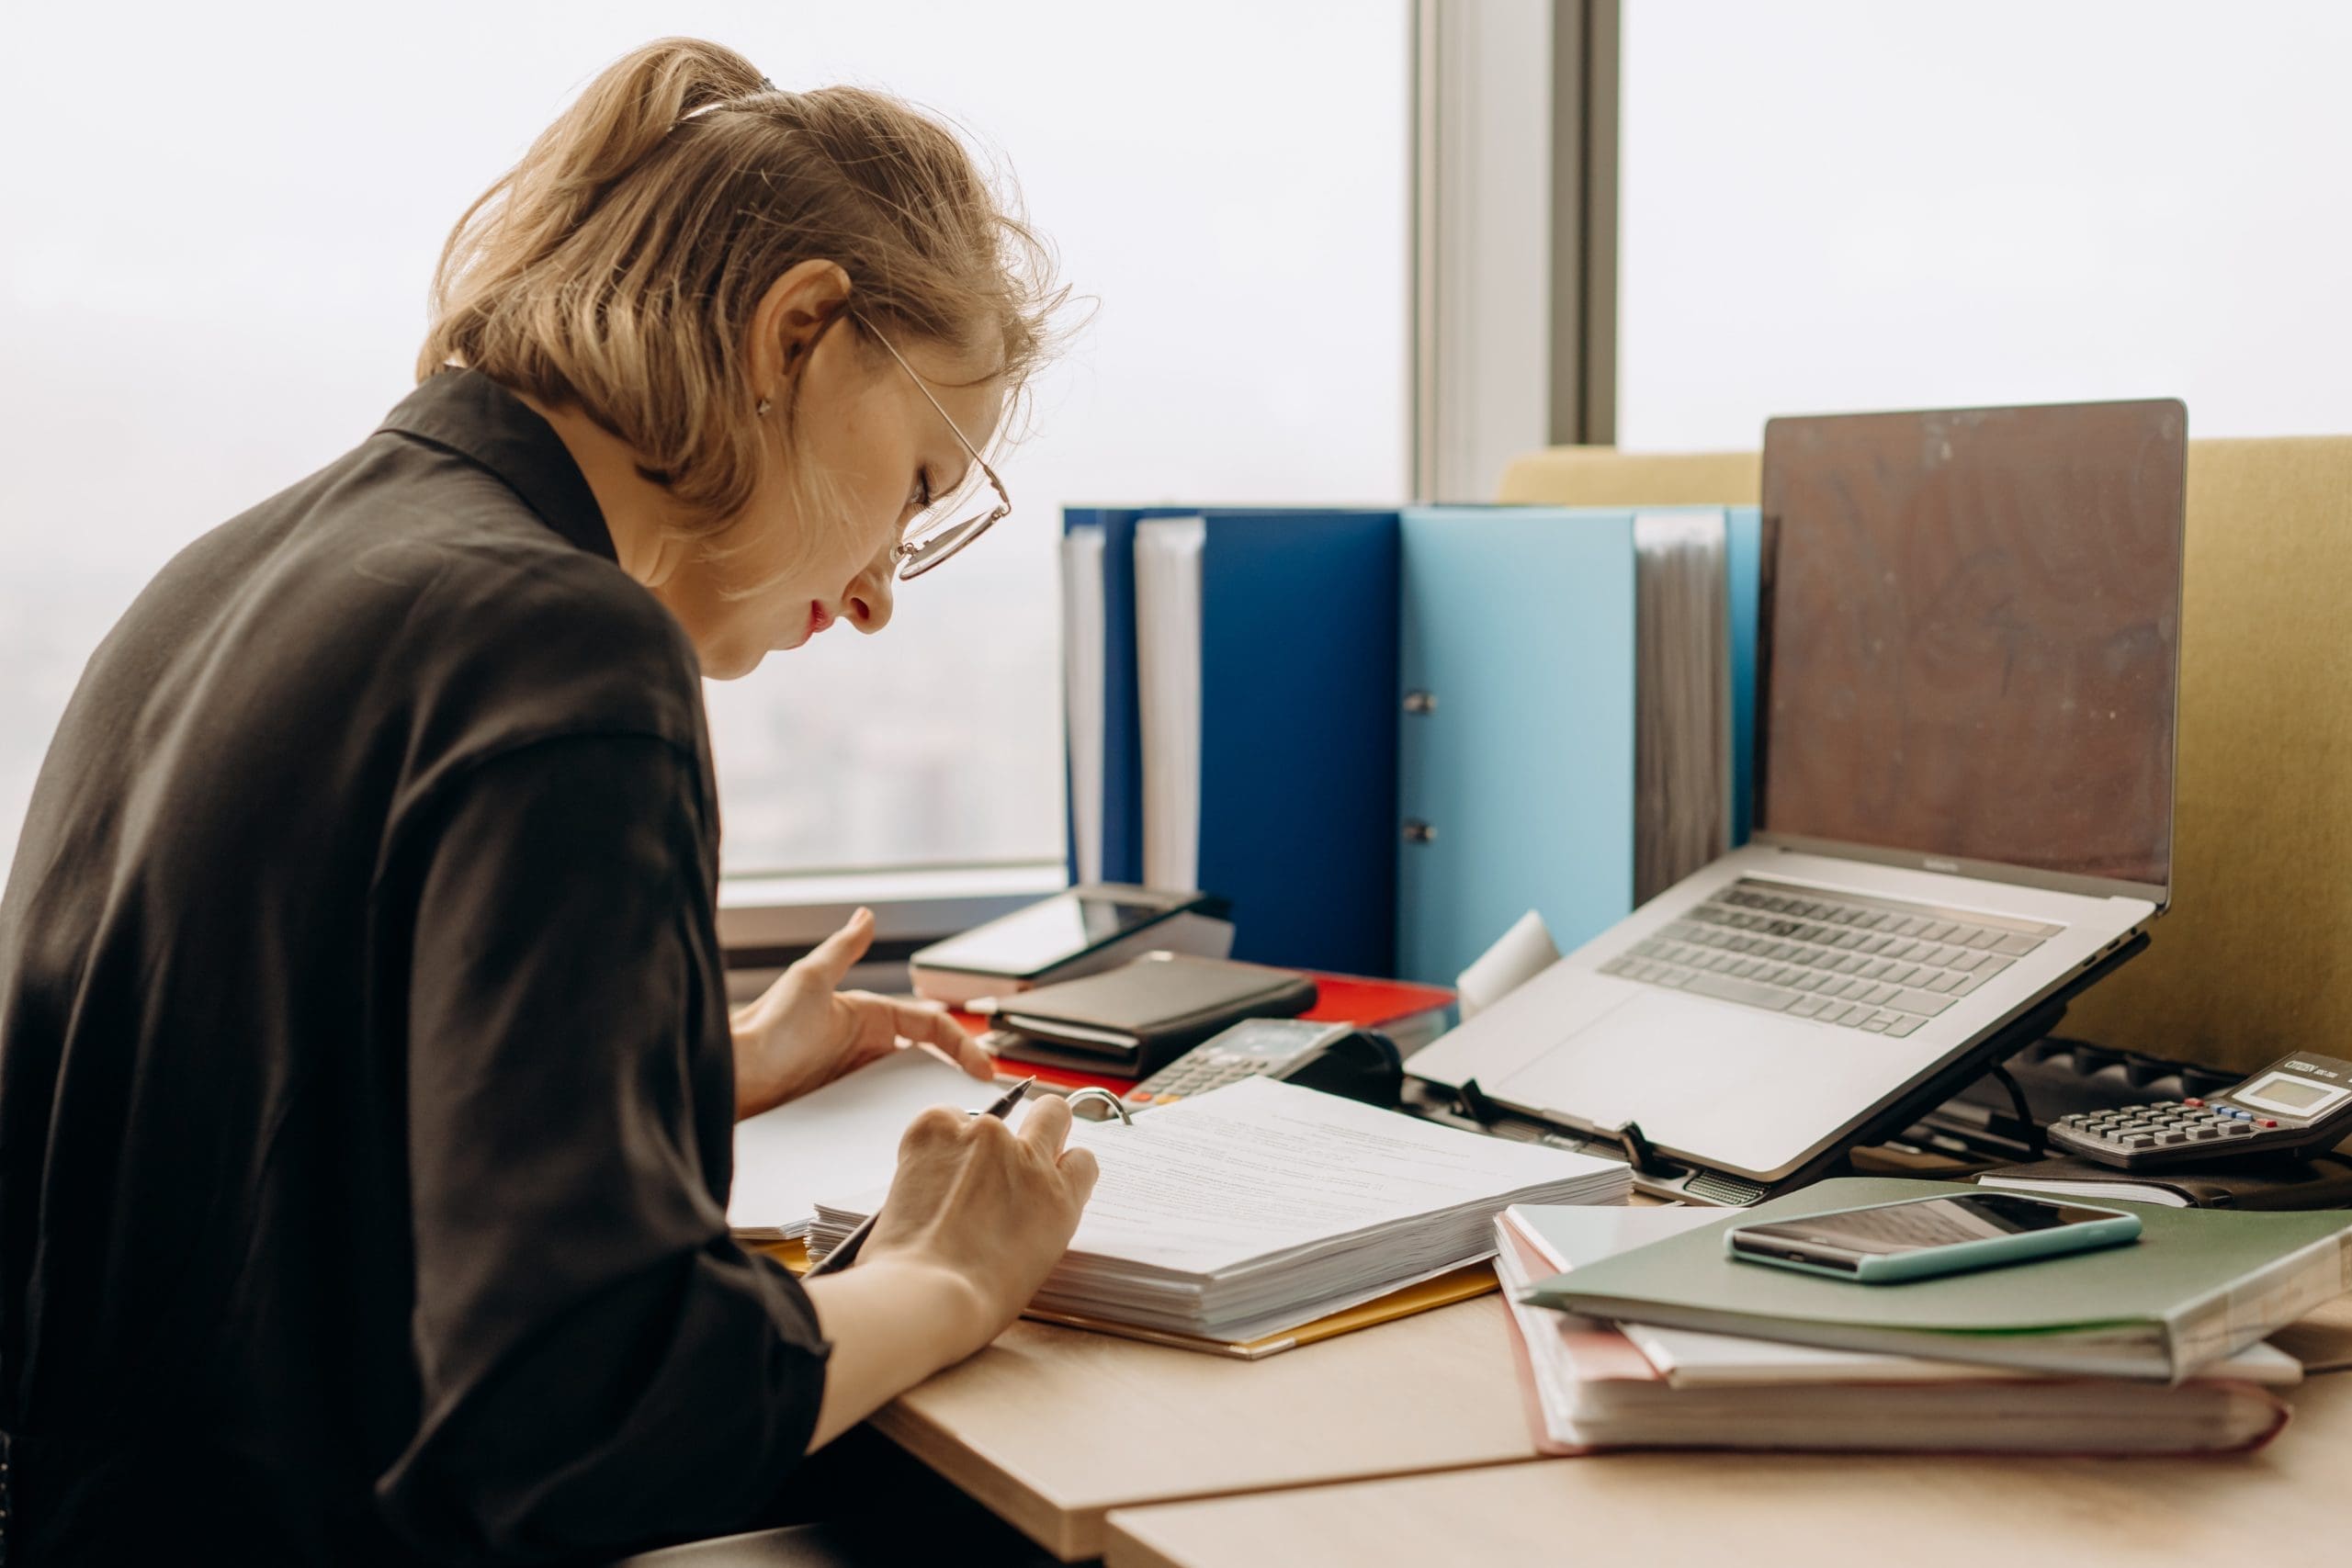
(1259, 1168)
(841, 1138)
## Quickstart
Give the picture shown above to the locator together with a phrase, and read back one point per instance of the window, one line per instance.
(242, 214)
(1833, 204)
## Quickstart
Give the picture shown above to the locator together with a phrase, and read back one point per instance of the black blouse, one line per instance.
(365, 1093)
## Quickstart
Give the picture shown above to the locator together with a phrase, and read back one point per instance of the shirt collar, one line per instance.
(473, 416)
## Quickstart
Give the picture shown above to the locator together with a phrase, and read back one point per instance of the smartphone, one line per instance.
(1919, 1238)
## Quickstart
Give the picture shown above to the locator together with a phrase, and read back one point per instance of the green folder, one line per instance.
(2199, 1285)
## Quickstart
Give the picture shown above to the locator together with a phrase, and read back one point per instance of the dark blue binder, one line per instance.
(1298, 734)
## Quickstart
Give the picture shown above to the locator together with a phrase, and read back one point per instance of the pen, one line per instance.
(846, 1253)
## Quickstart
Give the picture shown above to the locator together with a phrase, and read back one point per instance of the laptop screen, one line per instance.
(1973, 624)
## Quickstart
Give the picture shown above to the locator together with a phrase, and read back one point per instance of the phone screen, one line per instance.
(1043, 934)
(1932, 1222)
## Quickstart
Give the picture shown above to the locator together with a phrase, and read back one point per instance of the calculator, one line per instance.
(1338, 1058)
(2294, 1103)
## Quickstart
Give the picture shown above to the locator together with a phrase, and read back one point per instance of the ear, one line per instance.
(789, 319)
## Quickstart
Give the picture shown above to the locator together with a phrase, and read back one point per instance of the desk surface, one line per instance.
(1822, 1511)
(1053, 1427)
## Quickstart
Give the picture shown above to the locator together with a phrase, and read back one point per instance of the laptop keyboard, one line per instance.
(1876, 965)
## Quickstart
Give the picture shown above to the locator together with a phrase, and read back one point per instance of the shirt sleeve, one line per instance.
(599, 1363)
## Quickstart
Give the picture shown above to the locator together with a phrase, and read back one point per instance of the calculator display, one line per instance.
(2279, 1092)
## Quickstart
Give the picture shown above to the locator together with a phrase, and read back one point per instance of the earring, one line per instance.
(762, 409)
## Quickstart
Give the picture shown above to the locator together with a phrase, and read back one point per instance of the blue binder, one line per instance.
(1516, 767)
(1299, 734)
(1299, 730)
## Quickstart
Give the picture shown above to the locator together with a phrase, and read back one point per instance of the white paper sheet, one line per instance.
(844, 1137)
(1260, 1167)
(1518, 956)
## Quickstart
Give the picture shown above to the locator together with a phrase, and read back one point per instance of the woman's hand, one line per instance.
(803, 1034)
(989, 1203)
(979, 1212)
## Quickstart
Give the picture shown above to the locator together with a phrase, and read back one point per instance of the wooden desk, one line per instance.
(1053, 1427)
(1823, 1511)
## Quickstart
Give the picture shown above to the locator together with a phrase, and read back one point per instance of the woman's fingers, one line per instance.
(1079, 1169)
(894, 1019)
(1046, 1126)
(832, 958)
(930, 1024)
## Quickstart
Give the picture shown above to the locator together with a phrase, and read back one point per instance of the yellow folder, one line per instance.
(1440, 1289)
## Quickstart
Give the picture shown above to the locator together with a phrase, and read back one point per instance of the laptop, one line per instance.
(1967, 670)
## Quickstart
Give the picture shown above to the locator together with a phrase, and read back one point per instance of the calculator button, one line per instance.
(1139, 1097)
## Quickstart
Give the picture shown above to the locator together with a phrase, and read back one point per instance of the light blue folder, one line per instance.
(1516, 755)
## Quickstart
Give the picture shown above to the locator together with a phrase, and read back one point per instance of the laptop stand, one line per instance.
(1668, 1177)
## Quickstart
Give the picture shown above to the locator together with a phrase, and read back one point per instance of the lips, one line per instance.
(819, 618)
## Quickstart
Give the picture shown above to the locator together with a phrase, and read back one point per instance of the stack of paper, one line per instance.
(1592, 1385)
(1262, 1206)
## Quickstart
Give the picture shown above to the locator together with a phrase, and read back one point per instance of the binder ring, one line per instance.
(1102, 1095)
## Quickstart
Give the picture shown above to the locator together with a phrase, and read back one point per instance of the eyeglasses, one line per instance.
(932, 539)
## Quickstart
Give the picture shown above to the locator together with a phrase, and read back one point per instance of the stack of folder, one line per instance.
(1386, 736)
(1633, 1329)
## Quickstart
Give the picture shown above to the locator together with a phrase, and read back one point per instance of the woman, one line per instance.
(365, 1081)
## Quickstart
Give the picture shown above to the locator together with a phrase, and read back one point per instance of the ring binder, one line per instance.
(1091, 1095)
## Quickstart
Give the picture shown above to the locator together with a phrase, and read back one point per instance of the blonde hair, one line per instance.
(615, 268)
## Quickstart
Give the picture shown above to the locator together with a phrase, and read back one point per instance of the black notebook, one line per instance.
(1137, 1018)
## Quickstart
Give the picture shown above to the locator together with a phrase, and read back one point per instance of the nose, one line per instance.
(868, 600)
